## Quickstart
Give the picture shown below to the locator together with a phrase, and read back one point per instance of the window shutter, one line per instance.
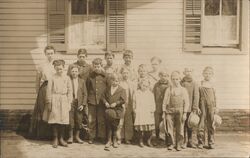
(192, 25)
(116, 23)
(57, 18)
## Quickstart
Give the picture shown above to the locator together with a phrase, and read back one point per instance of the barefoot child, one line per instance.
(113, 98)
(175, 107)
(78, 105)
(59, 98)
(208, 109)
(144, 111)
(193, 93)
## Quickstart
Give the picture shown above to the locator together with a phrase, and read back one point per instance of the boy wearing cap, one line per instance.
(193, 93)
(96, 85)
(84, 67)
(175, 107)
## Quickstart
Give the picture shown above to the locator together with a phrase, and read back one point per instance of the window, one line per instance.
(94, 24)
(221, 23)
(216, 26)
(87, 26)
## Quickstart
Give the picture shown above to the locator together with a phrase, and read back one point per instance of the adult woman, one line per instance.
(39, 128)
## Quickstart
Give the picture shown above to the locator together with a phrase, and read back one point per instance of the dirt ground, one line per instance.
(16, 146)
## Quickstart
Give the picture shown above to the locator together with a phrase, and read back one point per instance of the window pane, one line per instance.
(212, 7)
(79, 7)
(229, 7)
(96, 6)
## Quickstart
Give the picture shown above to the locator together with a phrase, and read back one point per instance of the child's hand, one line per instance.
(184, 117)
(113, 105)
(197, 111)
(80, 108)
(107, 105)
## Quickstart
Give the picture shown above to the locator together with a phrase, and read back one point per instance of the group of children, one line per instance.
(113, 103)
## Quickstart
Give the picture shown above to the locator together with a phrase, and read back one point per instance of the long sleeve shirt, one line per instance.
(173, 92)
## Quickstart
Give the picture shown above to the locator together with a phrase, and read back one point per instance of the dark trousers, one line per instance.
(76, 117)
(174, 120)
(207, 116)
(187, 131)
(158, 119)
(96, 118)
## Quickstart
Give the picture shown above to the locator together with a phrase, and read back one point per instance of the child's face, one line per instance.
(188, 72)
(49, 53)
(81, 57)
(155, 65)
(59, 69)
(109, 59)
(142, 72)
(208, 74)
(164, 77)
(115, 82)
(97, 68)
(74, 72)
(125, 75)
(127, 59)
(175, 80)
(144, 86)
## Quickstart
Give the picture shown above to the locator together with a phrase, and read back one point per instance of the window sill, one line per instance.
(90, 51)
(222, 51)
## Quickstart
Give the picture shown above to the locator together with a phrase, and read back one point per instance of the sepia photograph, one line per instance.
(124, 78)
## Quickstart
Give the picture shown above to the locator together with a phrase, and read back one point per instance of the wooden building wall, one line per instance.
(154, 28)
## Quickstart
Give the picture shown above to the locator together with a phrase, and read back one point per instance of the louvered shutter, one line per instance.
(192, 25)
(57, 19)
(116, 24)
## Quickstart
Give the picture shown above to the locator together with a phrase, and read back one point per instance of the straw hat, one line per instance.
(217, 120)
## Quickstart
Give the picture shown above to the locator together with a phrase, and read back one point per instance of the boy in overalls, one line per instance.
(175, 106)
(208, 109)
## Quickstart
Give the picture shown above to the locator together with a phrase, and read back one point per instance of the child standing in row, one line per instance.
(175, 107)
(79, 105)
(96, 85)
(144, 111)
(156, 66)
(208, 109)
(59, 97)
(84, 67)
(110, 68)
(126, 126)
(128, 57)
(113, 98)
(159, 91)
(193, 93)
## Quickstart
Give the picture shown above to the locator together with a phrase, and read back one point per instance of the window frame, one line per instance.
(196, 47)
(92, 51)
(243, 34)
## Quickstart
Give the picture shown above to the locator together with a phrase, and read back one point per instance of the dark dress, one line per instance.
(40, 129)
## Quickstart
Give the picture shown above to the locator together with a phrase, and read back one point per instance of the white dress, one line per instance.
(144, 109)
(60, 95)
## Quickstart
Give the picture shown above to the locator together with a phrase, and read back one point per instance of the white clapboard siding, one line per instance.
(23, 29)
(155, 28)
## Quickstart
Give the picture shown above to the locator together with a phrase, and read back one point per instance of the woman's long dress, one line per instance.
(39, 128)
